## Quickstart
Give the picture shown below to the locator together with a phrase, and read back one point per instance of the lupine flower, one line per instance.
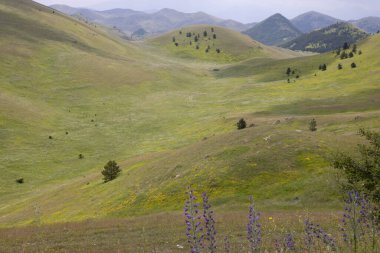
(209, 224)
(253, 229)
(194, 230)
(359, 221)
(227, 245)
(314, 233)
(277, 246)
(290, 243)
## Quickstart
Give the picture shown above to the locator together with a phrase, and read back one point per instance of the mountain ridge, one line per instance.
(274, 30)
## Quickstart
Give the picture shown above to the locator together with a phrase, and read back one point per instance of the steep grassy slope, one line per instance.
(327, 39)
(215, 44)
(168, 121)
(275, 31)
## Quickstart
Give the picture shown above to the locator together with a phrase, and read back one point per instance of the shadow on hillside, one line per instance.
(363, 101)
(268, 70)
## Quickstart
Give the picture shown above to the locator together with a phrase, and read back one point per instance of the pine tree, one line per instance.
(111, 171)
(313, 125)
(288, 71)
(241, 124)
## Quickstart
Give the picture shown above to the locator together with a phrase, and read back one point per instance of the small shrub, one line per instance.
(218, 51)
(351, 54)
(313, 125)
(340, 66)
(353, 65)
(20, 181)
(111, 171)
(50, 137)
(81, 156)
(242, 124)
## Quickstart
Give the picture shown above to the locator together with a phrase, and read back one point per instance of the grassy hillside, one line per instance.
(327, 39)
(274, 31)
(169, 121)
(215, 44)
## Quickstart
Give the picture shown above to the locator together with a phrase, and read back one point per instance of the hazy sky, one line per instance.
(241, 10)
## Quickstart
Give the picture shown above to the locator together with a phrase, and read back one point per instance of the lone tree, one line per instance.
(363, 172)
(111, 171)
(353, 65)
(241, 124)
(313, 125)
(288, 71)
(340, 66)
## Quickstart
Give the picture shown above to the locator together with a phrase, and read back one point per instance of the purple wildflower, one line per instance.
(359, 221)
(290, 243)
(227, 245)
(253, 228)
(209, 223)
(194, 230)
(314, 233)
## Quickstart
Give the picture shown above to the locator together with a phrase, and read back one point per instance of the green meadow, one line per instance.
(167, 114)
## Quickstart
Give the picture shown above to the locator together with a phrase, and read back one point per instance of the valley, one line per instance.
(74, 96)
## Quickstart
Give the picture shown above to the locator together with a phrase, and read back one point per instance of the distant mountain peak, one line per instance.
(313, 20)
(274, 30)
(327, 39)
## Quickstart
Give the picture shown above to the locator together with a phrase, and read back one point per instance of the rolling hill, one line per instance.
(165, 20)
(169, 119)
(216, 44)
(327, 39)
(313, 20)
(275, 30)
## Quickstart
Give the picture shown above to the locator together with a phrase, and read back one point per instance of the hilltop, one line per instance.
(327, 39)
(313, 20)
(214, 44)
(275, 30)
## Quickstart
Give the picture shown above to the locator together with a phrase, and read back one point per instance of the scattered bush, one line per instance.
(353, 65)
(340, 66)
(218, 51)
(323, 67)
(111, 171)
(81, 156)
(50, 137)
(288, 71)
(351, 54)
(343, 55)
(214, 36)
(313, 125)
(242, 124)
(20, 181)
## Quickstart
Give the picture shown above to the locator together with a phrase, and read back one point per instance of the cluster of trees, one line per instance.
(292, 72)
(197, 39)
(344, 54)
